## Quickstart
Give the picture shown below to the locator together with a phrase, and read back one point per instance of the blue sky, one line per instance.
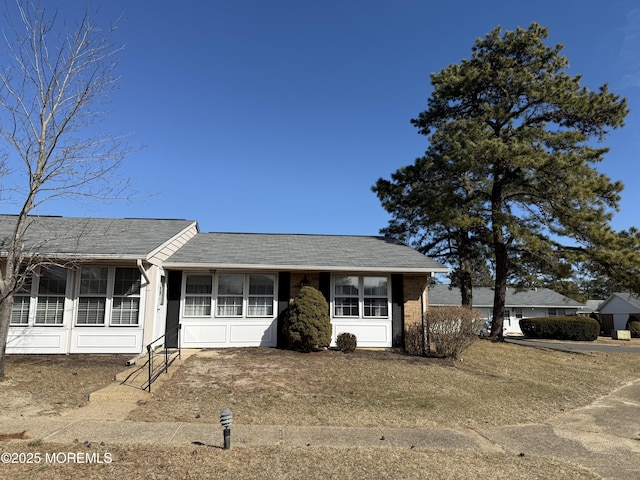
(279, 116)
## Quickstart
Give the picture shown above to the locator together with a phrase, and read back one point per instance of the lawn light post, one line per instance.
(226, 418)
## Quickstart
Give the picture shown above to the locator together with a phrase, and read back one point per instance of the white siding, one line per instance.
(29, 340)
(369, 333)
(620, 309)
(227, 332)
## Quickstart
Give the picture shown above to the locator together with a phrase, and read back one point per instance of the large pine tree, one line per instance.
(513, 146)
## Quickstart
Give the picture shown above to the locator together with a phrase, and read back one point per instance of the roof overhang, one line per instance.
(306, 268)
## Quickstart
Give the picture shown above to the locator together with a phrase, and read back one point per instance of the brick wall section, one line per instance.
(296, 279)
(414, 286)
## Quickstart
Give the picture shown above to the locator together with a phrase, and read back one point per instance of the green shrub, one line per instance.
(633, 325)
(578, 328)
(450, 330)
(307, 324)
(346, 342)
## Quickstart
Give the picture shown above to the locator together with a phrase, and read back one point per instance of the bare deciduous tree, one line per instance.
(52, 83)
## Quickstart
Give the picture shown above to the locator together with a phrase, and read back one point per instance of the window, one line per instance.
(198, 292)
(261, 293)
(518, 313)
(92, 301)
(347, 296)
(126, 297)
(554, 312)
(230, 295)
(366, 296)
(41, 298)
(21, 302)
(234, 295)
(376, 297)
(52, 286)
(109, 292)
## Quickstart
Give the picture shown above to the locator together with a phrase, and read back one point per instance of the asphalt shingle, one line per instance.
(95, 237)
(331, 252)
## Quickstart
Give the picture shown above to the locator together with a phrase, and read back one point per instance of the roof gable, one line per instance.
(291, 251)
(632, 299)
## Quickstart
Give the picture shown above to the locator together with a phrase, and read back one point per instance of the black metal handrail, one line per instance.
(169, 355)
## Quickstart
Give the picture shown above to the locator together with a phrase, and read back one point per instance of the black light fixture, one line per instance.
(305, 282)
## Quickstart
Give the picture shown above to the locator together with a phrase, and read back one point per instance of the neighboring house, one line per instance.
(115, 285)
(616, 310)
(535, 302)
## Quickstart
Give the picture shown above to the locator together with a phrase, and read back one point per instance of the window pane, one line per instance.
(376, 307)
(346, 286)
(53, 281)
(197, 306)
(127, 282)
(230, 284)
(261, 285)
(375, 286)
(125, 311)
(93, 280)
(199, 284)
(260, 306)
(346, 307)
(229, 307)
(20, 310)
(91, 310)
(49, 311)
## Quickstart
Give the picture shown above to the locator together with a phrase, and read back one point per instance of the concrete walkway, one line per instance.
(604, 436)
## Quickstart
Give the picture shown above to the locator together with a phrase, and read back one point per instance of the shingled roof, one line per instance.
(295, 252)
(108, 238)
(440, 295)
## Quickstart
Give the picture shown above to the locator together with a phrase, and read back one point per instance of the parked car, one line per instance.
(486, 329)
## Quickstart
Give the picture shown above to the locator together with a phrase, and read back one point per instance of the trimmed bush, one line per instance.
(578, 328)
(346, 342)
(414, 339)
(633, 325)
(450, 330)
(307, 325)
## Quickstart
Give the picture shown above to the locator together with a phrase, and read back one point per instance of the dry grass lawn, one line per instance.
(493, 384)
(52, 384)
(195, 463)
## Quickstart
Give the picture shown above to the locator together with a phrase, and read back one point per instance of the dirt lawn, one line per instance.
(49, 385)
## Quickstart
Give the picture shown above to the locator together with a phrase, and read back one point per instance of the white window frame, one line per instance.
(250, 296)
(59, 309)
(196, 295)
(236, 297)
(361, 296)
(110, 298)
(244, 299)
(31, 301)
(26, 298)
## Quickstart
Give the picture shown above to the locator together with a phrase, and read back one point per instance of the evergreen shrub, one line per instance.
(633, 325)
(573, 327)
(346, 342)
(307, 324)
